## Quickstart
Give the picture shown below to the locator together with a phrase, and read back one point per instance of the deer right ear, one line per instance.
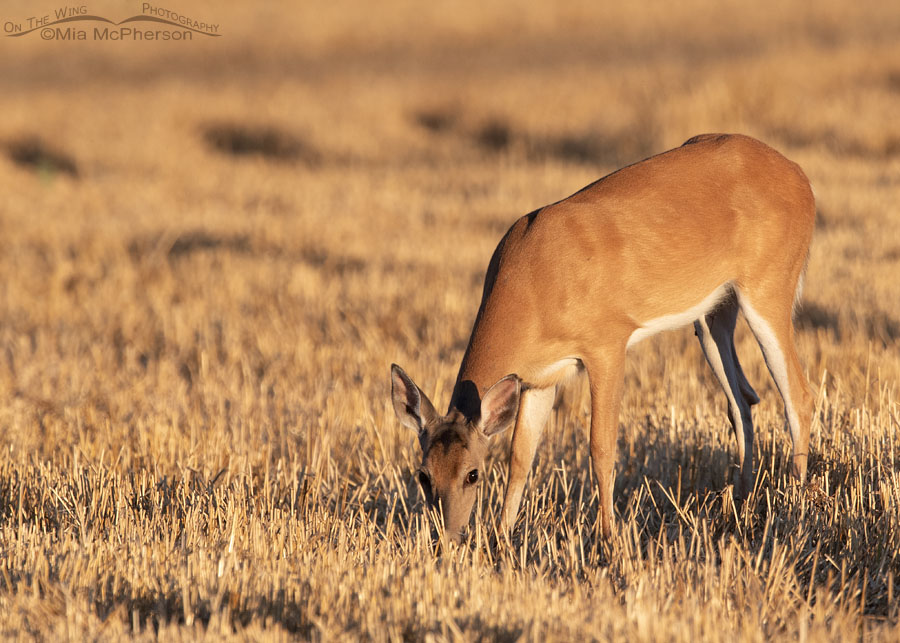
(500, 406)
(412, 406)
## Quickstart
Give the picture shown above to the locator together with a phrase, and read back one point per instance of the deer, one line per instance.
(720, 225)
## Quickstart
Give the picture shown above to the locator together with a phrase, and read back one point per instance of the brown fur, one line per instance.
(575, 279)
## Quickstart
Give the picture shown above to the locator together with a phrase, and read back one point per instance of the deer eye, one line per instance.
(425, 481)
(472, 476)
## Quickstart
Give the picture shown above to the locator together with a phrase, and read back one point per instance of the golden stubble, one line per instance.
(196, 436)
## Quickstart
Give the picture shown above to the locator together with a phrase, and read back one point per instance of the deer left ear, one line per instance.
(412, 406)
(500, 406)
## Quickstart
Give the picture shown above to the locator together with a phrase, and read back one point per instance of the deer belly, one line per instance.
(682, 318)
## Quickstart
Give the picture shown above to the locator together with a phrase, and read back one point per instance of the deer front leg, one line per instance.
(607, 377)
(534, 409)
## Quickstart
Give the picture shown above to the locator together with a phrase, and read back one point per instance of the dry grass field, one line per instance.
(211, 251)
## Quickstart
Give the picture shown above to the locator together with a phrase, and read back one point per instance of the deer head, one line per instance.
(453, 445)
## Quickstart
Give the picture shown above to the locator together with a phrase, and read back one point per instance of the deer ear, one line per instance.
(500, 406)
(413, 408)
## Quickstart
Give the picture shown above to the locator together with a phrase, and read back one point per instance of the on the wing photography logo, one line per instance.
(74, 23)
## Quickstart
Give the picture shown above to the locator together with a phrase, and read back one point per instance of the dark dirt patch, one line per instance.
(262, 141)
(876, 325)
(187, 244)
(589, 147)
(190, 243)
(36, 155)
(879, 326)
(497, 134)
(811, 316)
(828, 220)
(321, 259)
(435, 121)
(892, 80)
(838, 144)
(616, 150)
(494, 135)
(892, 254)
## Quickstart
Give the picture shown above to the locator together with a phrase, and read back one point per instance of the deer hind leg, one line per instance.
(534, 409)
(769, 317)
(607, 378)
(749, 394)
(716, 334)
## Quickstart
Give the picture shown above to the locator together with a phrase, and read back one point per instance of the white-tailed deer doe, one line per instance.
(722, 223)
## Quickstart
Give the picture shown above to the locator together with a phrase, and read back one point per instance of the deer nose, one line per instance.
(442, 508)
(452, 533)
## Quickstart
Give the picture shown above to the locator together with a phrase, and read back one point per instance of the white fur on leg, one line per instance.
(774, 356)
